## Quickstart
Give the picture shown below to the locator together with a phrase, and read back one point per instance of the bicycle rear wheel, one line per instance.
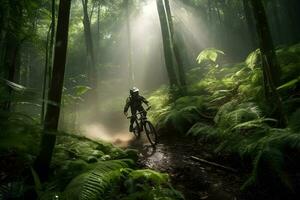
(150, 132)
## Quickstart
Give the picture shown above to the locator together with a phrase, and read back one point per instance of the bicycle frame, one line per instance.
(140, 120)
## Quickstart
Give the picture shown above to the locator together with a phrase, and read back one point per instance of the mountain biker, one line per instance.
(135, 101)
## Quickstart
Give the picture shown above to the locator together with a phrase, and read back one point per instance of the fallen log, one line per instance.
(214, 164)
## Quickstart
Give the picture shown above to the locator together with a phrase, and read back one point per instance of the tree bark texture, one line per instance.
(265, 41)
(174, 45)
(129, 47)
(43, 160)
(89, 48)
(166, 43)
(250, 23)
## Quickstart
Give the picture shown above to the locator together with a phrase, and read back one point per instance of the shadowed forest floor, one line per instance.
(196, 180)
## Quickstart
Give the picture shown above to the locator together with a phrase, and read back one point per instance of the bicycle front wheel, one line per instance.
(136, 128)
(150, 132)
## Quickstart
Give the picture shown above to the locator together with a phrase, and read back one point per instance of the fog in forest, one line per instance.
(148, 65)
(116, 47)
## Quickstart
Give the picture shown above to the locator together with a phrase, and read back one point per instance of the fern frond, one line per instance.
(96, 182)
(203, 130)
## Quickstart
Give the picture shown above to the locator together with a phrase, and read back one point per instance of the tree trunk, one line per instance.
(292, 7)
(42, 163)
(250, 24)
(129, 48)
(52, 38)
(98, 39)
(90, 50)
(46, 72)
(12, 48)
(270, 65)
(166, 43)
(174, 45)
(274, 7)
(265, 40)
(48, 61)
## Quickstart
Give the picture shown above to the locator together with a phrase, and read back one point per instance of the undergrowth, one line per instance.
(81, 168)
(226, 107)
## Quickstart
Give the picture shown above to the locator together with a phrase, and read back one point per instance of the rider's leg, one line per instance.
(131, 124)
(132, 120)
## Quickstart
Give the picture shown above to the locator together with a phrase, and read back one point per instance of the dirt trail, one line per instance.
(196, 180)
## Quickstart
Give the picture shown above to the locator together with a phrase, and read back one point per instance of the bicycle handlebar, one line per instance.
(139, 113)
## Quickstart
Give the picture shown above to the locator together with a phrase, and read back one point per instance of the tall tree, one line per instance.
(48, 61)
(166, 43)
(91, 62)
(250, 23)
(174, 45)
(42, 163)
(265, 40)
(13, 39)
(271, 68)
(129, 48)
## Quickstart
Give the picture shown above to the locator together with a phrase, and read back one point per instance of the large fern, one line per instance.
(94, 184)
(203, 131)
(180, 120)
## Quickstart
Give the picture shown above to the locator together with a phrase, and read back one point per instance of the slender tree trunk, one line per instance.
(42, 163)
(48, 61)
(129, 48)
(46, 72)
(98, 39)
(12, 48)
(265, 40)
(174, 45)
(270, 65)
(52, 38)
(4, 15)
(250, 24)
(166, 43)
(292, 8)
(90, 49)
(274, 7)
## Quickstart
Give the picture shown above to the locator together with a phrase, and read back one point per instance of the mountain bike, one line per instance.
(142, 123)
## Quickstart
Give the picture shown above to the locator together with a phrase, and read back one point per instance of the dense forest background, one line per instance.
(222, 73)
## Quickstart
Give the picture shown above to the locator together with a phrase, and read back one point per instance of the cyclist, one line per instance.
(135, 101)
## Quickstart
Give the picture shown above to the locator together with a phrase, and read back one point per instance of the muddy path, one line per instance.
(194, 179)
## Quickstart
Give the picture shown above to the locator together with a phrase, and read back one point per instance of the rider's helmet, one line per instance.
(134, 91)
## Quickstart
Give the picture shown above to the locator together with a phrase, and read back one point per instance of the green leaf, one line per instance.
(210, 54)
(81, 90)
(253, 59)
(289, 84)
(15, 86)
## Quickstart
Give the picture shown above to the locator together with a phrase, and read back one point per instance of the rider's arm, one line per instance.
(144, 100)
(126, 107)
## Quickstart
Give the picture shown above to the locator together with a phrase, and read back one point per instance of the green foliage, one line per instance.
(96, 183)
(209, 56)
(205, 131)
(234, 95)
(254, 59)
(289, 84)
(110, 176)
(148, 184)
(18, 132)
(232, 113)
(181, 119)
